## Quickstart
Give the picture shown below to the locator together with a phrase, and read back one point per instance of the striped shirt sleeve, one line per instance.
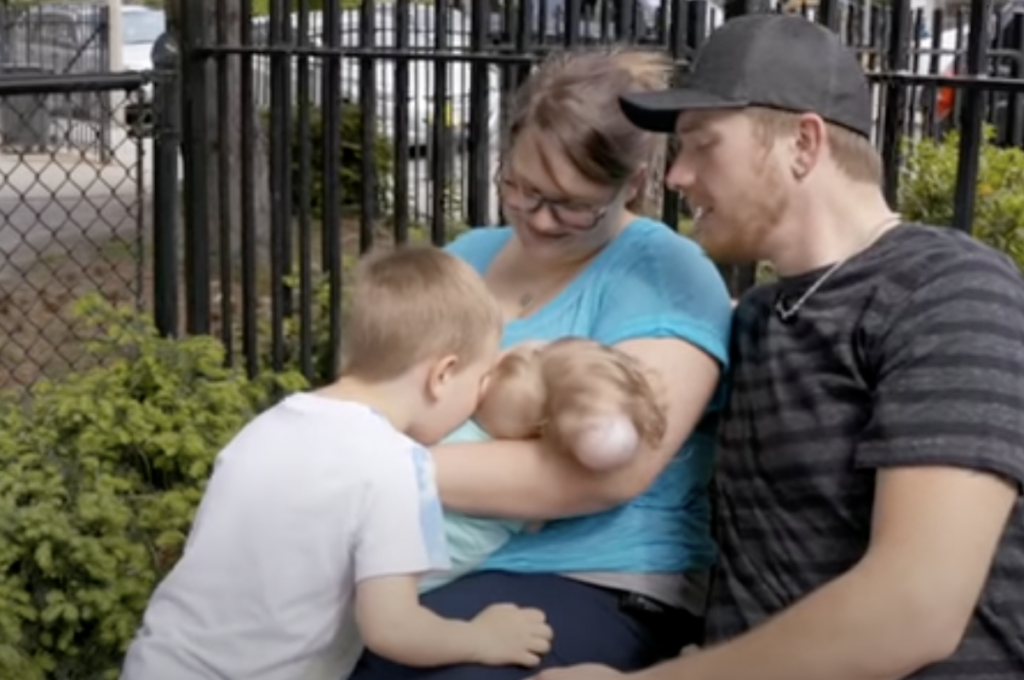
(949, 375)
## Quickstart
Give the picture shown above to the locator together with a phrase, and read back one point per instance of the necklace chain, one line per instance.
(786, 313)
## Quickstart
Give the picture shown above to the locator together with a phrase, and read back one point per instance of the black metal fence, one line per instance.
(50, 38)
(340, 127)
(70, 224)
(283, 146)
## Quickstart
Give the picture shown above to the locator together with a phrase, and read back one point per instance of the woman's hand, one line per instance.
(524, 480)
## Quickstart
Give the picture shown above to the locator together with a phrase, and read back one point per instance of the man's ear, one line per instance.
(440, 373)
(809, 143)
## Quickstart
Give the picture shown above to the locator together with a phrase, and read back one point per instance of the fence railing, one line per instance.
(284, 146)
(69, 225)
(338, 128)
(62, 39)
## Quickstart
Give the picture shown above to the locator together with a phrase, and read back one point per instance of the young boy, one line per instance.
(322, 512)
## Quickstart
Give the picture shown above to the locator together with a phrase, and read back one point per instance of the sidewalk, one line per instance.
(57, 198)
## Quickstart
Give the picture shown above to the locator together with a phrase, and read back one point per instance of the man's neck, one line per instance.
(389, 399)
(830, 227)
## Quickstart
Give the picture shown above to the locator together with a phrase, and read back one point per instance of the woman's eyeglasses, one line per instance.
(570, 214)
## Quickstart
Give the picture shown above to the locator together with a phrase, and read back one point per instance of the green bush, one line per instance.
(102, 473)
(927, 187)
(350, 165)
(262, 7)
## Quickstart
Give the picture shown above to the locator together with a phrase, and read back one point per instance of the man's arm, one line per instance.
(523, 480)
(904, 606)
(946, 439)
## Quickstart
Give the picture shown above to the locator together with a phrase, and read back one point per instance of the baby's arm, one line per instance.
(396, 626)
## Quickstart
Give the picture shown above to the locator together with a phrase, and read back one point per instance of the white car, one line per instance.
(421, 92)
(140, 29)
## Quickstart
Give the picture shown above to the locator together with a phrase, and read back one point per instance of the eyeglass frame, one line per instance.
(501, 180)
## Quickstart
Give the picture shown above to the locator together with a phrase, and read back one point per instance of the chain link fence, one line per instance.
(72, 220)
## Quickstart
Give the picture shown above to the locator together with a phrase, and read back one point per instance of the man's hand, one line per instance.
(509, 635)
(584, 672)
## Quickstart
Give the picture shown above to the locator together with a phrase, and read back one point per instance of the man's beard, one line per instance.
(738, 228)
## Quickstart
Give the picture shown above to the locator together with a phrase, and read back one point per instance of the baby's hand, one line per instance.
(510, 635)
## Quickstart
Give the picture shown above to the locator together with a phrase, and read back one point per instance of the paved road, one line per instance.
(56, 199)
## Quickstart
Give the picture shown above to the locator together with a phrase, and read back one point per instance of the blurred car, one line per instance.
(140, 29)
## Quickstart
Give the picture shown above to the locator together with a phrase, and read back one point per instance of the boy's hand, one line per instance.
(510, 635)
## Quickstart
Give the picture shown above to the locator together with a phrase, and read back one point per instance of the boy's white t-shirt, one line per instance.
(311, 497)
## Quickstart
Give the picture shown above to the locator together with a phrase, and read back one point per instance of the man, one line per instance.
(872, 453)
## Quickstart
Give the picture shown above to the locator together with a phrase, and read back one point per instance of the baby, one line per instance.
(588, 400)
(583, 398)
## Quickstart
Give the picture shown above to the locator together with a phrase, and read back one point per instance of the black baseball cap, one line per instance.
(778, 61)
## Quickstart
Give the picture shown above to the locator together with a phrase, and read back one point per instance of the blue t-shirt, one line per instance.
(649, 282)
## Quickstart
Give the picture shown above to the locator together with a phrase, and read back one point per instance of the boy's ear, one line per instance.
(439, 374)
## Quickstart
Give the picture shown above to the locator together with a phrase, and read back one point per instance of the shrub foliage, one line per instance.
(101, 474)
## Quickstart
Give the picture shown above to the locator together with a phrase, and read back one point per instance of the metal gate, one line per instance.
(310, 133)
(57, 40)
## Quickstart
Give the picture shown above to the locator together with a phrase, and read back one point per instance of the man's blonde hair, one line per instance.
(413, 303)
(853, 154)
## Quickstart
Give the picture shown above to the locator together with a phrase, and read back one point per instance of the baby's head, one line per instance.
(513, 405)
(423, 318)
(590, 399)
(601, 402)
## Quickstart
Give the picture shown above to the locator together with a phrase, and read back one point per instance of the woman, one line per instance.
(622, 578)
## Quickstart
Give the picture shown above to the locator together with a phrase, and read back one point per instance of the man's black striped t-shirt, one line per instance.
(912, 353)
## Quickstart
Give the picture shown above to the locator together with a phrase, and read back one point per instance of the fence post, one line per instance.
(166, 205)
(971, 137)
(897, 57)
(195, 137)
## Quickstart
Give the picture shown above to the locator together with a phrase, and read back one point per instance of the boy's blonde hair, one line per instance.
(413, 303)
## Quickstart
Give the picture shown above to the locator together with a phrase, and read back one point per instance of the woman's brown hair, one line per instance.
(573, 97)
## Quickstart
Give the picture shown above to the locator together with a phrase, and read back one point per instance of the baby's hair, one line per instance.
(412, 303)
(577, 370)
(514, 405)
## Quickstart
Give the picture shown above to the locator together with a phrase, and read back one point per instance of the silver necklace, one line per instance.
(786, 313)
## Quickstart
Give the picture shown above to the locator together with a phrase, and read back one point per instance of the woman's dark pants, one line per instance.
(591, 625)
